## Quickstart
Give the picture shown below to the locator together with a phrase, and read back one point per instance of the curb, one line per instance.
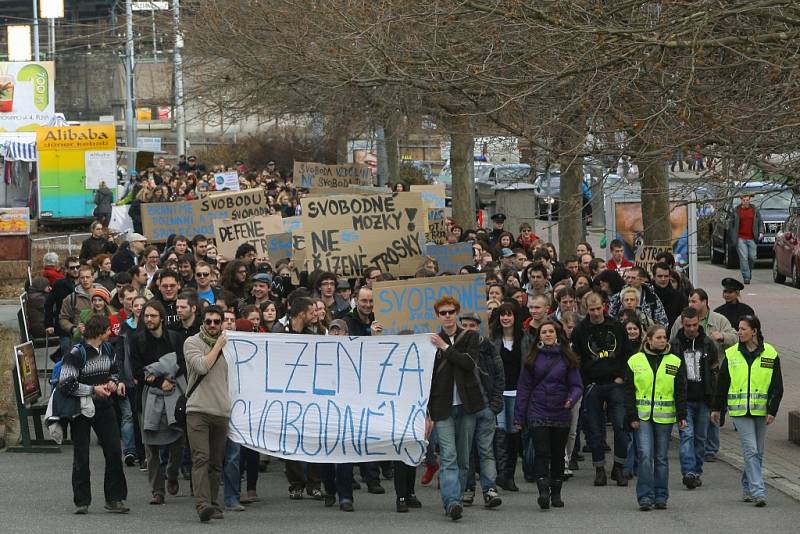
(9, 302)
(772, 477)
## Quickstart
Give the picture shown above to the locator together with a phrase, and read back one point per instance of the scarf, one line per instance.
(207, 338)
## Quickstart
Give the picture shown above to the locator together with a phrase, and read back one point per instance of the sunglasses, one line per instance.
(445, 313)
(214, 322)
(202, 275)
(74, 267)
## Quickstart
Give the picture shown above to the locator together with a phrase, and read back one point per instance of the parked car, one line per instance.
(772, 200)
(786, 251)
(489, 177)
(548, 191)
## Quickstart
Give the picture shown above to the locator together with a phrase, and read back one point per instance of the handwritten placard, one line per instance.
(646, 256)
(346, 233)
(230, 234)
(227, 181)
(330, 399)
(451, 258)
(162, 219)
(437, 226)
(433, 195)
(408, 304)
(313, 175)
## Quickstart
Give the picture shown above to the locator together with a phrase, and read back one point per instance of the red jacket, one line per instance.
(52, 274)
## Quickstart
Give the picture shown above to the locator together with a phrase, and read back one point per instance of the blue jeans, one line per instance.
(338, 480)
(455, 440)
(712, 438)
(651, 484)
(599, 400)
(752, 432)
(126, 421)
(232, 477)
(693, 438)
(746, 249)
(482, 454)
(505, 419)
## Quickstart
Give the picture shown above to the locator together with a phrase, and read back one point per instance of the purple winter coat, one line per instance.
(546, 402)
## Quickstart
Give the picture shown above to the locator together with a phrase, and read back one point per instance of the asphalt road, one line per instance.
(37, 498)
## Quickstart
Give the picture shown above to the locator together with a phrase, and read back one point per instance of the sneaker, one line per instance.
(746, 281)
(698, 481)
(568, 473)
(315, 494)
(81, 510)
(710, 457)
(116, 507)
(218, 514)
(235, 507)
(143, 466)
(661, 505)
(427, 476)
(491, 499)
(375, 487)
(761, 502)
(157, 499)
(413, 502)
(746, 497)
(329, 500)
(645, 506)
(454, 511)
(130, 460)
(296, 494)
(688, 481)
(172, 487)
(346, 506)
(468, 498)
(401, 506)
(573, 464)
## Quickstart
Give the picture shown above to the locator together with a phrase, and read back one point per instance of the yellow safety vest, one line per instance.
(655, 394)
(749, 384)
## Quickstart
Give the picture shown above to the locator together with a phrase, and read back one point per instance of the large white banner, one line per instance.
(330, 399)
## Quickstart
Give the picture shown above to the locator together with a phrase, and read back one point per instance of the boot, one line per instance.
(512, 449)
(618, 474)
(501, 457)
(544, 493)
(555, 494)
(600, 476)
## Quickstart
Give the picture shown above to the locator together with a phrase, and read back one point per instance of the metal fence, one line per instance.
(63, 245)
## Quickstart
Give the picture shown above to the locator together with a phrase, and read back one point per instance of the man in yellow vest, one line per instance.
(655, 398)
(751, 386)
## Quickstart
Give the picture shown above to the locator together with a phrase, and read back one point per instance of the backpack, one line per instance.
(56, 374)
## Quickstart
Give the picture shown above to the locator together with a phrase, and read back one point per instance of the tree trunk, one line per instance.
(463, 169)
(390, 129)
(655, 201)
(341, 132)
(570, 219)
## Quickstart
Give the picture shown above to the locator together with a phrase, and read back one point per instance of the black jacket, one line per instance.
(492, 376)
(123, 259)
(631, 414)
(52, 304)
(673, 301)
(455, 365)
(145, 349)
(734, 312)
(701, 361)
(603, 349)
(354, 325)
(93, 246)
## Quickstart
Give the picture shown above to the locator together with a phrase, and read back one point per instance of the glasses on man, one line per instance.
(212, 322)
(74, 267)
(202, 274)
(446, 313)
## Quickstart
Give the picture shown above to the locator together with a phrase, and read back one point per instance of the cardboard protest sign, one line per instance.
(294, 226)
(451, 258)
(433, 195)
(346, 233)
(646, 256)
(162, 219)
(315, 175)
(408, 304)
(229, 234)
(437, 226)
(330, 399)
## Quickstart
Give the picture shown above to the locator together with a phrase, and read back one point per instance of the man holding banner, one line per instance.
(455, 398)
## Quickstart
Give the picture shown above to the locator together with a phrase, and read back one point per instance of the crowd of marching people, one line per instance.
(573, 345)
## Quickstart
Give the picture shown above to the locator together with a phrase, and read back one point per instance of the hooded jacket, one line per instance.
(71, 308)
(93, 246)
(701, 361)
(35, 307)
(654, 358)
(543, 389)
(455, 367)
(603, 350)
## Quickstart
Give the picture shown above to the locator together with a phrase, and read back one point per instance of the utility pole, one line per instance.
(36, 30)
(130, 115)
(180, 125)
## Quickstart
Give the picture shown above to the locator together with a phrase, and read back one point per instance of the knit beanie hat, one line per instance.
(102, 293)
